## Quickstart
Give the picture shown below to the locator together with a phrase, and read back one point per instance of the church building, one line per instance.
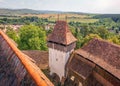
(95, 64)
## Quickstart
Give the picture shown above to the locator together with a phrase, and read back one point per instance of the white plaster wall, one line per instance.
(68, 55)
(57, 61)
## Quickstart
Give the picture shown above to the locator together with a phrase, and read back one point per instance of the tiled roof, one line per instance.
(104, 54)
(40, 57)
(36, 74)
(79, 67)
(61, 34)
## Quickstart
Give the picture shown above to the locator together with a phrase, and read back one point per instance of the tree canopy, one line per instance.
(32, 38)
(12, 34)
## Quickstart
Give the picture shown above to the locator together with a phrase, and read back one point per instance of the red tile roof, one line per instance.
(80, 67)
(61, 34)
(40, 57)
(104, 54)
(36, 74)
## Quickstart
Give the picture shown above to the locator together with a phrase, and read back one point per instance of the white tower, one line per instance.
(61, 43)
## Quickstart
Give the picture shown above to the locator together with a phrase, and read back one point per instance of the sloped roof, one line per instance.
(104, 54)
(40, 57)
(61, 34)
(35, 73)
(80, 67)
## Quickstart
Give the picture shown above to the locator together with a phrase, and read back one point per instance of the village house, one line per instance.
(14, 27)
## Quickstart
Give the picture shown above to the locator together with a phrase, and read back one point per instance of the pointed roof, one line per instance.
(61, 34)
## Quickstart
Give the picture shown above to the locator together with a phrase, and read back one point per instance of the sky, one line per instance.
(89, 6)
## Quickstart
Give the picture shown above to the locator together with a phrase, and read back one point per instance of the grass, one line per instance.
(82, 20)
(56, 15)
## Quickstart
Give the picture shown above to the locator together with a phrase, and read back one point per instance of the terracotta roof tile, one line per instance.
(80, 67)
(40, 57)
(36, 74)
(104, 54)
(61, 34)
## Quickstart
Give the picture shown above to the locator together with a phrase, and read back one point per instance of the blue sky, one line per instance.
(91, 6)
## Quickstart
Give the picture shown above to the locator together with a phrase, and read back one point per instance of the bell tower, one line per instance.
(61, 43)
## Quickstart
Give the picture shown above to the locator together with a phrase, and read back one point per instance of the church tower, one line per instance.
(61, 43)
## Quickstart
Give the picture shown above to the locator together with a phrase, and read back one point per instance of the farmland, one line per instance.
(83, 18)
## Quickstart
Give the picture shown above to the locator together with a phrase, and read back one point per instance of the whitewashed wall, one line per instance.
(57, 61)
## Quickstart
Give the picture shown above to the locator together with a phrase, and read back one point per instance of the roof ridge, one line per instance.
(38, 76)
(104, 65)
(102, 40)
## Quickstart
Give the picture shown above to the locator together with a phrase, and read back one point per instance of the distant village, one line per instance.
(48, 27)
(17, 27)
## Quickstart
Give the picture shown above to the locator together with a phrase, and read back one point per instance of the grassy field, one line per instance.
(83, 18)
(56, 15)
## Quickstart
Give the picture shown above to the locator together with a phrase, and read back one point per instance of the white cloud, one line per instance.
(1, 0)
(92, 6)
(107, 6)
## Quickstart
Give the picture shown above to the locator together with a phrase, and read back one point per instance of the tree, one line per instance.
(32, 37)
(115, 39)
(102, 32)
(12, 34)
(85, 30)
(90, 37)
(80, 41)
